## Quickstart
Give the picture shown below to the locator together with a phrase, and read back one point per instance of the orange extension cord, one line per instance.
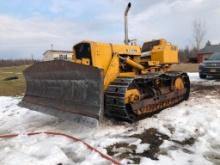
(70, 137)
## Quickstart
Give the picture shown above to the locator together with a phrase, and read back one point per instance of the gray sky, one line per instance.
(30, 27)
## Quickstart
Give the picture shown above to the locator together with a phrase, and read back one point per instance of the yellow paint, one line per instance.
(133, 63)
(85, 61)
(132, 95)
(102, 53)
(113, 57)
(153, 63)
(127, 74)
(179, 84)
(112, 71)
(165, 53)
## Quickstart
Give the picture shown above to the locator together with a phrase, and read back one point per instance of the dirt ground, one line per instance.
(152, 137)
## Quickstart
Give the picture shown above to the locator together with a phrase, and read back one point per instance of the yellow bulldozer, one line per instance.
(123, 81)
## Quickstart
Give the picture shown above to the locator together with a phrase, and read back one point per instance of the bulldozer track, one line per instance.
(115, 95)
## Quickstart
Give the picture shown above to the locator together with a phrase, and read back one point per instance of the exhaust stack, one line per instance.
(126, 41)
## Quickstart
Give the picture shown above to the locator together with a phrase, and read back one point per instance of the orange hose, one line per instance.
(70, 137)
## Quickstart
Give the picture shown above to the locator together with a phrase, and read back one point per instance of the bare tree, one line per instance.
(199, 32)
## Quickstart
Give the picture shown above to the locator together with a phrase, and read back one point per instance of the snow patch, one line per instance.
(192, 128)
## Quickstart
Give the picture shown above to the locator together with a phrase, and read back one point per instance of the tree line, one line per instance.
(199, 31)
(16, 62)
(188, 55)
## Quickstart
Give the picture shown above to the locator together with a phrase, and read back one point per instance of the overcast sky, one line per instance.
(31, 26)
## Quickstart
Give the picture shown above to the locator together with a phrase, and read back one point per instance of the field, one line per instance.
(12, 87)
(16, 87)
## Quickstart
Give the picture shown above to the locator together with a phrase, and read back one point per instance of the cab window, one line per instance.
(83, 50)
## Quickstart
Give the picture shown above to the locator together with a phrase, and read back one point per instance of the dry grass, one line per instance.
(185, 67)
(17, 87)
(12, 87)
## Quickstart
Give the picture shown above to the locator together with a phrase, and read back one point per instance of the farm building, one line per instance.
(57, 55)
(207, 51)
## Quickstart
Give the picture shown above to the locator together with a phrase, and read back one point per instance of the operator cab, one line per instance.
(82, 53)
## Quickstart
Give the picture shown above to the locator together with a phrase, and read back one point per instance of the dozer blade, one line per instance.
(64, 86)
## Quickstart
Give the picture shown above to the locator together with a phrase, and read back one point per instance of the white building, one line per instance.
(57, 55)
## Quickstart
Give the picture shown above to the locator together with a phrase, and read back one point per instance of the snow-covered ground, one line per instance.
(185, 134)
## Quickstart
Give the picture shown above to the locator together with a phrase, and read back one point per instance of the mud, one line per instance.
(152, 137)
(202, 90)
